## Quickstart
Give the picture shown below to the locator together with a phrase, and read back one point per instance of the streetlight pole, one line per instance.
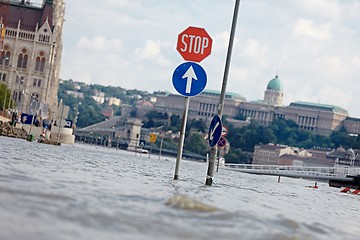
(76, 113)
(4, 104)
(60, 124)
(48, 85)
(161, 144)
(33, 99)
(213, 150)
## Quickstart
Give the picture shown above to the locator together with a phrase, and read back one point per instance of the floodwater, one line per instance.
(87, 192)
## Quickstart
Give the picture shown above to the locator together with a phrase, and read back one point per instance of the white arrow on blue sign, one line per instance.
(215, 131)
(189, 79)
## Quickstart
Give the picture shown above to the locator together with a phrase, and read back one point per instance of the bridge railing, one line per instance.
(335, 171)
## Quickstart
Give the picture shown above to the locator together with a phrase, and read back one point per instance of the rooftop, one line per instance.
(228, 95)
(319, 106)
(29, 14)
(275, 84)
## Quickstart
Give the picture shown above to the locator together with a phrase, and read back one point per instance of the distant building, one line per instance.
(99, 100)
(153, 99)
(345, 158)
(204, 106)
(126, 110)
(32, 48)
(143, 107)
(317, 117)
(115, 128)
(75, 94)
(113, 101)
(107, 112)
(272, 154)
(99, 94)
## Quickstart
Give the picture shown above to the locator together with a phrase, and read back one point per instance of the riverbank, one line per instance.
(7, 130)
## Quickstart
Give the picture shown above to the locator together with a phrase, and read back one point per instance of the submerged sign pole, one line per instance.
(182, 137)
(189, 79)
(213, 150)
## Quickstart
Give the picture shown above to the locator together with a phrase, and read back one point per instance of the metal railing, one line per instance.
(336, 172)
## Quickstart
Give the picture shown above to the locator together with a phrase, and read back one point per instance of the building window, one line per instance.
(22, 60)
(37, 82)
(3, 77)
(40, 62)
(5, 57)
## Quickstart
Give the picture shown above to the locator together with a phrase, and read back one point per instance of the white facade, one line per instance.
(113, 101)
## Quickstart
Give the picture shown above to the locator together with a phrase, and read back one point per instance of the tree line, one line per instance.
(242, 140)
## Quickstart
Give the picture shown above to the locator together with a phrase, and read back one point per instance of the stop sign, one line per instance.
(194, 44)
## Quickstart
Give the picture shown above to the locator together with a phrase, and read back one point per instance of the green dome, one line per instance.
(275, 84)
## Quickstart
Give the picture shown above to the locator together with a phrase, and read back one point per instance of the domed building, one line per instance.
(317, 117)
(274, 92)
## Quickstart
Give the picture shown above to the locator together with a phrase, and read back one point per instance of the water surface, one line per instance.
(86, 192)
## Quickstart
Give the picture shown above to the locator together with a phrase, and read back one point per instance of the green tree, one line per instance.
(237, 156)
(151, 115)
(198, 125)
(175, 123)
(90, 113)
(196, 143)
(5, 97)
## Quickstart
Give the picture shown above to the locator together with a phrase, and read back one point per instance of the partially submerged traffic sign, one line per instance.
(194, 44)
(224, 131)
(189, 79)
(222, 142)
(215, 131)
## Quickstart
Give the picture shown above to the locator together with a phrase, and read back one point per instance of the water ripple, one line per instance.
(82, 192)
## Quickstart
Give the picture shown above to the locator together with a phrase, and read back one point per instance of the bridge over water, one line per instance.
(323, 173)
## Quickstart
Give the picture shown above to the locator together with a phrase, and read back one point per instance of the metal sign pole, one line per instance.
(218, 162)
(182, 137)
(161, 145)
(213, 150)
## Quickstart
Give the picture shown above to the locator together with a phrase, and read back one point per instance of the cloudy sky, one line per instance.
(314, 46)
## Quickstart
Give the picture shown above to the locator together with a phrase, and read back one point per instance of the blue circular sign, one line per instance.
(215, 131)
(189, 79)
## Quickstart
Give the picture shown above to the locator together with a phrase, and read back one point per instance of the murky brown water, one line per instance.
(84, 192)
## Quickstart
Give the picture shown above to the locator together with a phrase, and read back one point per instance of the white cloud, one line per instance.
(152, 51)
(321, 8)
(305, 27)
(221, 40)
(313, 43)
(356, 61)
(100, 44)
(336, 96)
(256, 53)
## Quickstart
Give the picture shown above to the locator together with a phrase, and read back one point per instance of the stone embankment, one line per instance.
(9, 131)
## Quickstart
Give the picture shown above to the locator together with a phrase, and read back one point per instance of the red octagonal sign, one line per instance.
(194, 44)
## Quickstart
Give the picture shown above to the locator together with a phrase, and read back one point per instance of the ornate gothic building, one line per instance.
(30, 48)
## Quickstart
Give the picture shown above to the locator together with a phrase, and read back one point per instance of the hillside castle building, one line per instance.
(320, 118)
(317, 117)
(31, 48)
